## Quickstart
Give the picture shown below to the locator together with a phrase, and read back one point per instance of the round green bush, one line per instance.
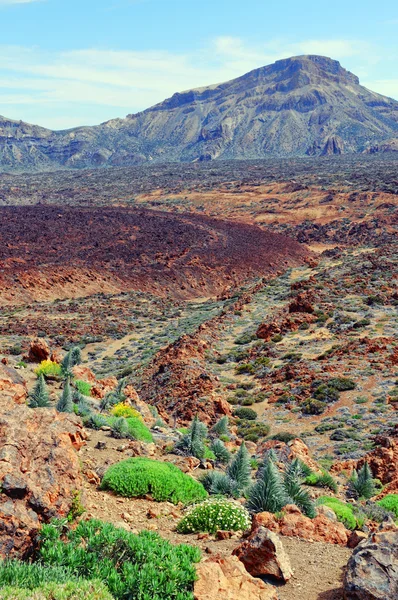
(213, 515)
(245, 413)
(137, 477)
(390, 503)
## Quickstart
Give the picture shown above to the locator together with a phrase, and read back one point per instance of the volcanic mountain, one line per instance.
(305, 105)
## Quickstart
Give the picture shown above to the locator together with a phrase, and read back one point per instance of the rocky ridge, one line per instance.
(304, 105)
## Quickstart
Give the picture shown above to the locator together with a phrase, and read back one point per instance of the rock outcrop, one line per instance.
(227, 579)
(263, 554)
(12, 386)
(372, 571)
(294, 524)
(39, 471)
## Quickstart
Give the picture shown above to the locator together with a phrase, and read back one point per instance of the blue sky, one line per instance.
(65, 63)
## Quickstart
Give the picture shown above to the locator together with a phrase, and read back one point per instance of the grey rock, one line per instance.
(372, 571)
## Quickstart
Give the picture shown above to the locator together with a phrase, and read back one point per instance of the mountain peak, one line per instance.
(315, 67)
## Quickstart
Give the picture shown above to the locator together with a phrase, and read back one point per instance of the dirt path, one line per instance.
(318, 570)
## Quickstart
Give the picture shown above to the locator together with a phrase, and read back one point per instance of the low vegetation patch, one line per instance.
(49, 369)
(215, 514)
(390, 503)
(137, 477)
(137, 567)
(343, 511)
(81, 590)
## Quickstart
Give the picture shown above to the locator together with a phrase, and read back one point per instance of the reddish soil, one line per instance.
(53, 252)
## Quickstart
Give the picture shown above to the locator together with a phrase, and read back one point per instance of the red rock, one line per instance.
(12, 386)
(227, 579)
(294, 524)
(302, 303)
(103, 386)
(84, 373)
(38, 350)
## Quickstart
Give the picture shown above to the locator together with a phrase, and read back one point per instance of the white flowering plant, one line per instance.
(213, 515)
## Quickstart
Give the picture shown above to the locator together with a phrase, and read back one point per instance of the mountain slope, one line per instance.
(297, 106)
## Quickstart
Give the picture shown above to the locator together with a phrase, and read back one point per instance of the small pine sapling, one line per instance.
(39, 398)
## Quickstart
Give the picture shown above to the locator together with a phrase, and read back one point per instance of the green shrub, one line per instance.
(134, 567)
(324, 481)
(312, 406)
(84, 387)
(277, 338)
(80, 590)
(215, 514)
(342, 384)
(245, 368)
(15, 350)
(138, 430)
(245, 413)
(344, 512)
(49, 369)
(390, 503)
(30, 576)
(283, 436)
(132, 428)
(326, 393)
(252, 431)
(137, 477)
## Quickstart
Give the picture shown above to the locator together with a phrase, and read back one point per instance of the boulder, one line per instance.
(372, 571)
(263, 554)
(38, 350)
(39, 471)
(294, 524)
(227, 579)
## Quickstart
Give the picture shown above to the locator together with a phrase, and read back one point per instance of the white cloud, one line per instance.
(37, 86)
